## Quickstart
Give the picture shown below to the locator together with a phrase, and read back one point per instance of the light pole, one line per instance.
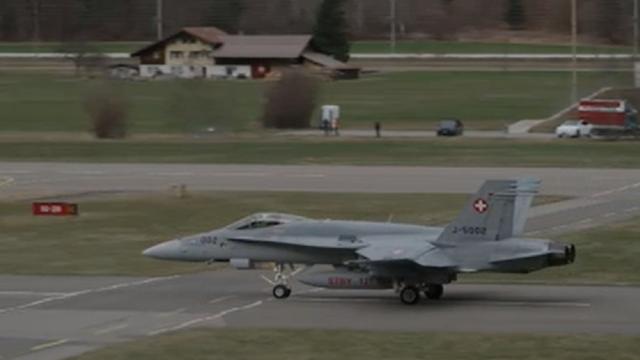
(392, 21)
(574, 51)
(159, 19)
(636, 29)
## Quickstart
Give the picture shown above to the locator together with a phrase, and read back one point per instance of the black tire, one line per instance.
(281, 292)
(434, 291)
(410, 295)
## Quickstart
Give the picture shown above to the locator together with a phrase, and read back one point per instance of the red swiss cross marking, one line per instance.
(480, 206)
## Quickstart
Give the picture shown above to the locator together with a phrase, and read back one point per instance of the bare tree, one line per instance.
(108, 110)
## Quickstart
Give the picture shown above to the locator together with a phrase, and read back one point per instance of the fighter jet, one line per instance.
(411, 259)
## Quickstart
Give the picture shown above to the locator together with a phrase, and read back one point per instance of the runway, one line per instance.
(55, 317)
(599, 195)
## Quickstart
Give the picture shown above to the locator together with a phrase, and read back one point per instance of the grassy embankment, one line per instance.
(404, 100)
(339, 344)
(109, 235)
(426, 152)
(376, 46)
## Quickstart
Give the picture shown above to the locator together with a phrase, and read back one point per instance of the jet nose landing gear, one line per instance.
(281, 288)
(281, 291)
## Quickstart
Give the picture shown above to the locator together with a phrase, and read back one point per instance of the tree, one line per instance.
(515, 15)
(330, 30)
(226, 14)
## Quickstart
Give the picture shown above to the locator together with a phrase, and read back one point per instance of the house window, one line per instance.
(195, 55)
(176, 55)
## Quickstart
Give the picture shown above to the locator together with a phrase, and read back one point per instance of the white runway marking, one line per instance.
(31, 293)
(171, 313)
(613, 191)
(17, 172)
(585, 221)
(172, 174)
(608, 215)
(240, 174)
(6, 180)
(310, 176)
(205, 319)
(221, 299)
(87, 291)
(83, 172)
(49, 344)
(111, 329)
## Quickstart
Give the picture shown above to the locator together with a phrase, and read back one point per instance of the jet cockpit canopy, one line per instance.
(264, 220)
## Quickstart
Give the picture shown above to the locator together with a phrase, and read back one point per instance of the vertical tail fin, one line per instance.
(497, 211)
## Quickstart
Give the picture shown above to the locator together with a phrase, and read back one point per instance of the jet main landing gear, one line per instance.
(410, 294)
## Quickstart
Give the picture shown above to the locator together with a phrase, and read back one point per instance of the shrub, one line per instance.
(290, 101)
(108, 110)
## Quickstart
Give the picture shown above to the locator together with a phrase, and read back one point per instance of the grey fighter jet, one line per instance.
(412, 259)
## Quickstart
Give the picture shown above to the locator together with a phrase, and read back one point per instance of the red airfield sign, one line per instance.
(54, 209)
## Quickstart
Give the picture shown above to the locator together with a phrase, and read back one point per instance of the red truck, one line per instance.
(609, 118)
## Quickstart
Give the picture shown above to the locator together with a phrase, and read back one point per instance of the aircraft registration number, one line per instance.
(470, 230)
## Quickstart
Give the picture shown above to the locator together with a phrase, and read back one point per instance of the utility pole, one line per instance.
(159, 19)
(636, 29)
(574, 51)
(392, 21)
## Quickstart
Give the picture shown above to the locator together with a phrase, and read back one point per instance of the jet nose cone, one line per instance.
(165, 250)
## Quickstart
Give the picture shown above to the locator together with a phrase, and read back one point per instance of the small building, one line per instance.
(210, 52)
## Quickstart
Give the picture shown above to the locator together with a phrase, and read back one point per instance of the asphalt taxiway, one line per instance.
(56, 317)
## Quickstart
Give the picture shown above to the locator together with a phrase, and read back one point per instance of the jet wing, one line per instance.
(305, 241)
(423, 254)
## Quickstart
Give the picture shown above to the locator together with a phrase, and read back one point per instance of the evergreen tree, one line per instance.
(226, 14)
(330, 30)
(514, 15)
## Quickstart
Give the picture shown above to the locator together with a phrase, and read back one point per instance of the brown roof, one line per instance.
(326, 61)
(208, 34)
(263, 46)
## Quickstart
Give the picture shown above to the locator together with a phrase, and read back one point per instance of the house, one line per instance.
(210, 52)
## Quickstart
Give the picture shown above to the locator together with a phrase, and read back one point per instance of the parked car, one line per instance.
(574, 129)
(451, 127)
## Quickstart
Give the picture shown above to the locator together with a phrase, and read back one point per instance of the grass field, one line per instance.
(403, 100)
(379, 46)
(269, 344)
(54, 47)
(108, 236)
(423, 152)
(450, 47)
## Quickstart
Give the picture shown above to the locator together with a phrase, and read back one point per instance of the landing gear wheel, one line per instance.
(281, 292)
(410, 295)
(434, 291)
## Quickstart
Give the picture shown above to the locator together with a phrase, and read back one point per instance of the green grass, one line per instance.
(457, 47)
(377, 46)
(341, 344)
(53, 47)
(109, 235)
(403, 100)
(428, 152)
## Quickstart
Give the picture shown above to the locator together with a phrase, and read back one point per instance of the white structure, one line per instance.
(229, 71)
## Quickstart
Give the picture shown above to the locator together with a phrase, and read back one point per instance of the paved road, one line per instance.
(55, 317)
(601, 196)
(362, 133)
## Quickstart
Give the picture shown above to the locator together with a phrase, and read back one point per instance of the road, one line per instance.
(56, 317)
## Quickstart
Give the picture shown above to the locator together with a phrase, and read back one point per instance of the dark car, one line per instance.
(452, 127)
